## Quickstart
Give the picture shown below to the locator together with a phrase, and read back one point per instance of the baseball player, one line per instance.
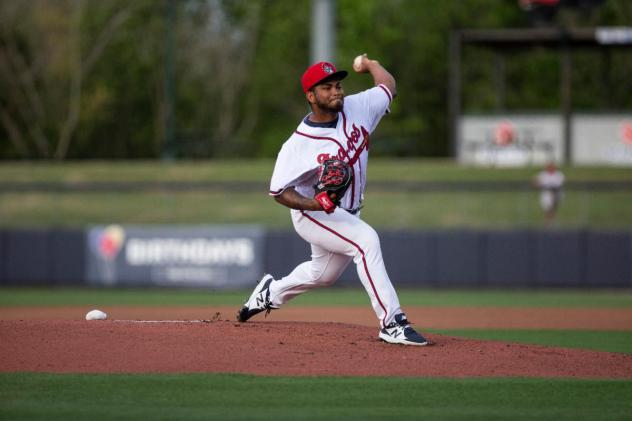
(550, 182)
(337, 127)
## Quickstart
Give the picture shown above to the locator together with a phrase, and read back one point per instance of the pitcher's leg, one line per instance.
(372, 272)
(323, 270)
(346, 234)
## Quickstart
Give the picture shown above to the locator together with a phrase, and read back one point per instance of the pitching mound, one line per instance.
(278, 348)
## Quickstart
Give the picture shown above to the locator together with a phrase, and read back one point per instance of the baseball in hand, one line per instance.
(357, 63)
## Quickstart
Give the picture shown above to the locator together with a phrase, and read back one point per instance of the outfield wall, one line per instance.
(441, 258)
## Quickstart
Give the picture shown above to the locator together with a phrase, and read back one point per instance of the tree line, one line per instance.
(115, 79)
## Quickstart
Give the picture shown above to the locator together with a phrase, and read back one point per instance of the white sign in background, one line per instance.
(510, 140)
(602, 139)
(596, 139)
(193, 256)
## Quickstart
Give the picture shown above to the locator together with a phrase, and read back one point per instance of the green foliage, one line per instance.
(85, 79)
(229, 397)
(281, 58)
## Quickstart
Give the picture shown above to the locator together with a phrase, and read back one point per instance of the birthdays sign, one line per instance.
(191, 256)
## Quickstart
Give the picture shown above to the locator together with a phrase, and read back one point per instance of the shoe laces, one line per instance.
(267, 303)
(403, 321)
(399, 321)
(264, 298)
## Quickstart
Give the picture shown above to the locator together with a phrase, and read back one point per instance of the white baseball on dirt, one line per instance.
(96, 315)
(357, 63)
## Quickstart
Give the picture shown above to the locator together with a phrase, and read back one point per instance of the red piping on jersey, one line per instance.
(388, 94)
(276, 193)
(324, 138)
(366, 268)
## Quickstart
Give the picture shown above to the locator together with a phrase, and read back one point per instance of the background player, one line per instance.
(550, 182)
(337, 127)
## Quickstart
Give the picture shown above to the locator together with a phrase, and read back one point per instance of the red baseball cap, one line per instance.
(317, 73)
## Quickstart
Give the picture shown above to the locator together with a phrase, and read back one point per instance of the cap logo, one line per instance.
(327, 68)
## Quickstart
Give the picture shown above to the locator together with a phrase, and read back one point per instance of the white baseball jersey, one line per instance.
(550, 180)
(340, 237)
(347, 139)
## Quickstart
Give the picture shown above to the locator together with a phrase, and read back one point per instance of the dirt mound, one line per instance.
(278, 348)
(619, 319)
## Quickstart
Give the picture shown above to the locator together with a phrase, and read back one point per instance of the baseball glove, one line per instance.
(333, 181)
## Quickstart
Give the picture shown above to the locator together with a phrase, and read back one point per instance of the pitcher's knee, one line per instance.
(327, 281)
(370, 241)
(321, 276)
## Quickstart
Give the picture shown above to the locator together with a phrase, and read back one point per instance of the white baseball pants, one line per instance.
(336, 239)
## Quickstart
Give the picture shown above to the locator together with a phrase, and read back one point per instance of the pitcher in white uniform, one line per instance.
(337, 127)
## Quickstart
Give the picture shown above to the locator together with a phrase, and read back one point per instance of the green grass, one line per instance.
(413, 169)
(42, 209)
(82, 171)
(384, 209)
(324, 297)
(393, 210)
(609, 341)
(222, 396)
(118, 297)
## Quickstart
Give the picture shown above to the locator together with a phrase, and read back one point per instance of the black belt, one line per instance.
(354, 211)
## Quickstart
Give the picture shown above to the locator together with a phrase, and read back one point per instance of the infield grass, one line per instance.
(228, 397)
(324, 297)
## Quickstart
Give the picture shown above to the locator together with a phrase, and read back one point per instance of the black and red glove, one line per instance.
(333, 181)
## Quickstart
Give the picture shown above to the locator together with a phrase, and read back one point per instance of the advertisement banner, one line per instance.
(510, 140)
(602, 139)
(178, 256)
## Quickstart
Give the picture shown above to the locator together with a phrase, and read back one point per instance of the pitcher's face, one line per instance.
(328, 96)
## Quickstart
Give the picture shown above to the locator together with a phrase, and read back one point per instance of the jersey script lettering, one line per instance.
(353, 151)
